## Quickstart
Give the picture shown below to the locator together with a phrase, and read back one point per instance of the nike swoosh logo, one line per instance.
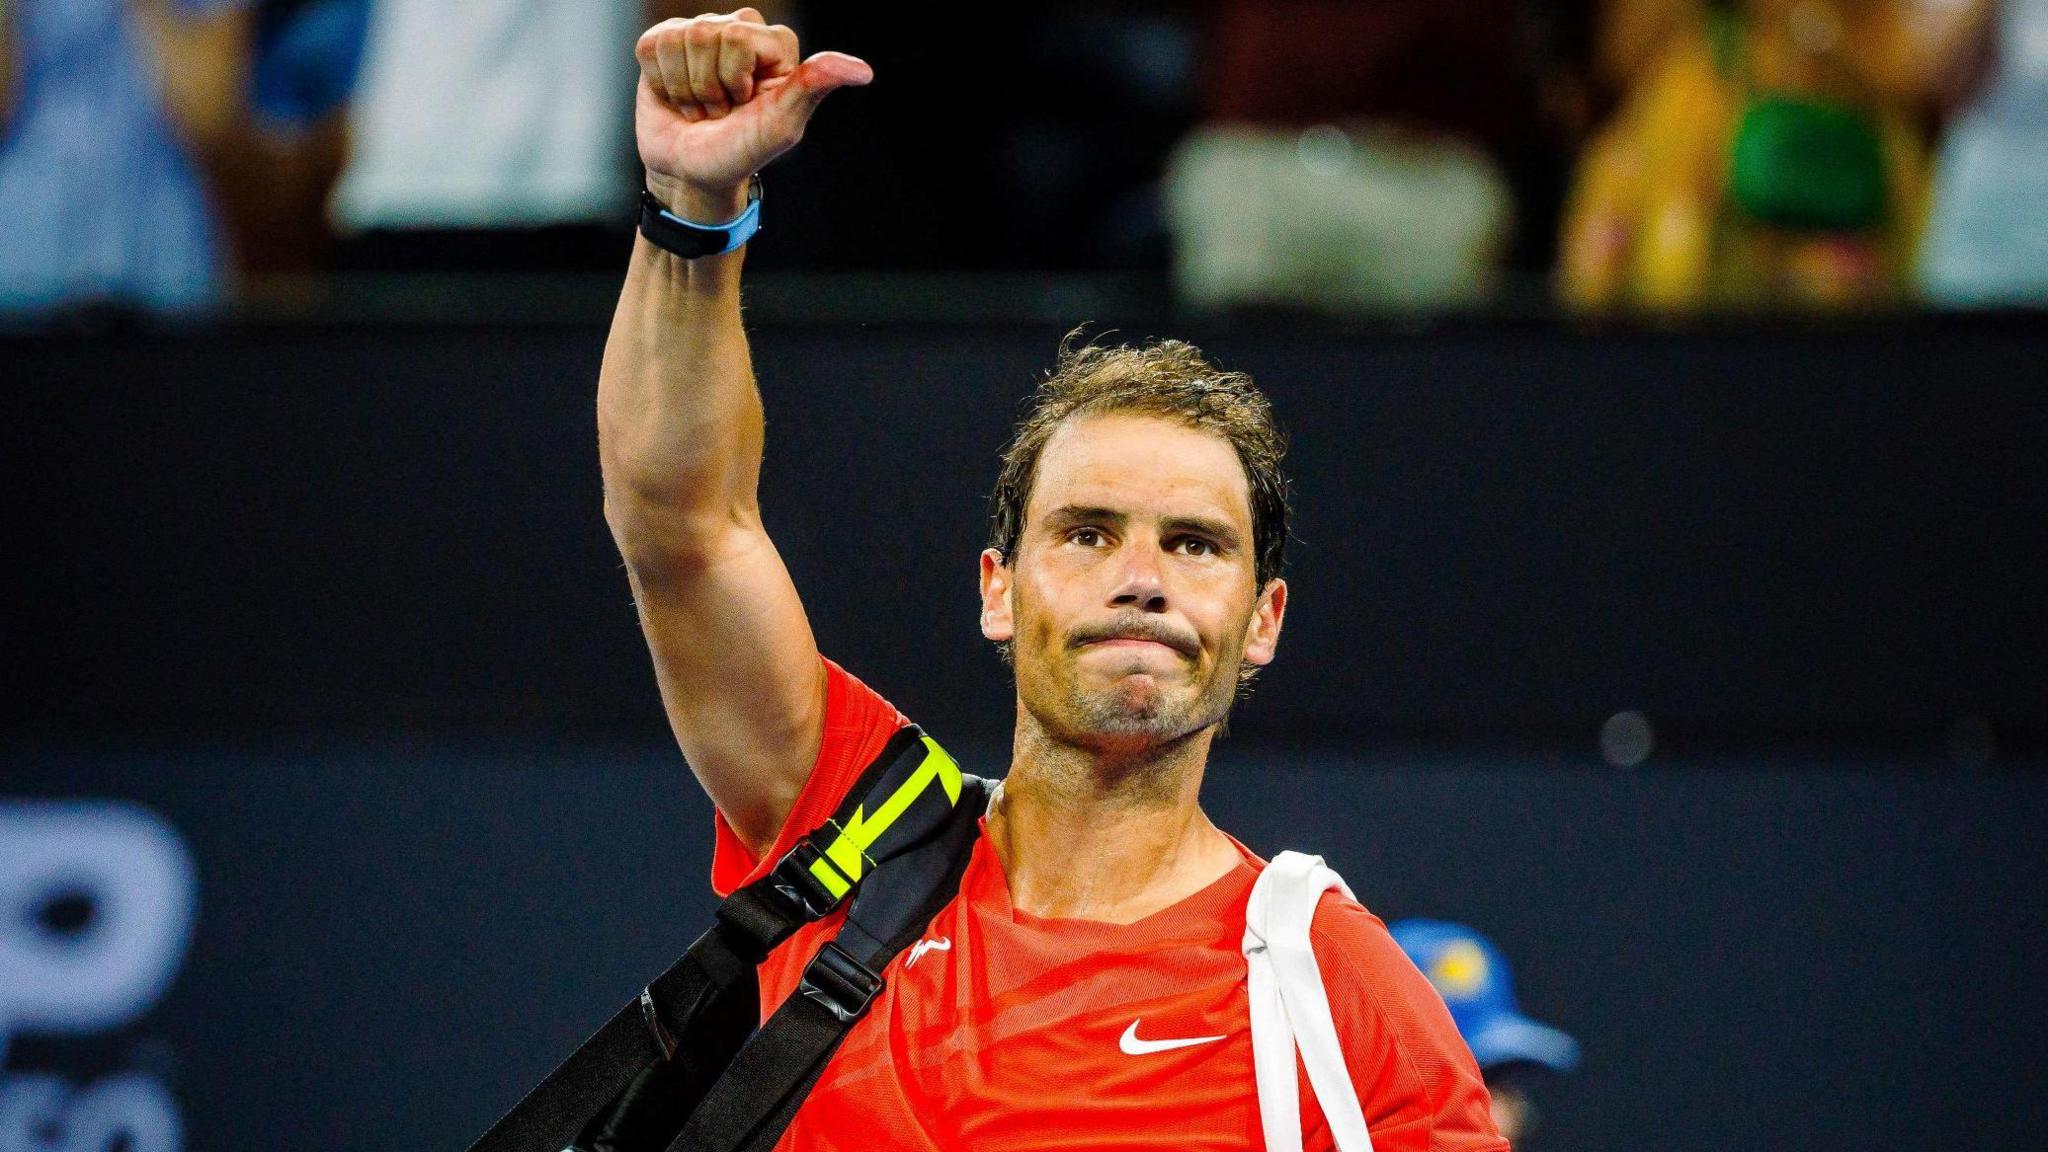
(1132, 1046)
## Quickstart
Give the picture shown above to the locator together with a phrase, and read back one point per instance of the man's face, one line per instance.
(1131, 599)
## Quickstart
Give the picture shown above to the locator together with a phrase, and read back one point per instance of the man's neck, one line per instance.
(1093, 835)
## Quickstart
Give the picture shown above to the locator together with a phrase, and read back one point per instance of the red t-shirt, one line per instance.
(1002, 1030)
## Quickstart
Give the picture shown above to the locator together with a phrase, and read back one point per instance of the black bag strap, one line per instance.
(753, 1103)
(629, 1086)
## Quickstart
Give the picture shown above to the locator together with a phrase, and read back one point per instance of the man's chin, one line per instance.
(1137, 691)
(1132, 706)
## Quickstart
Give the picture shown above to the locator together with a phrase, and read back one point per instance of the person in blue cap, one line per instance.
(1474, 980)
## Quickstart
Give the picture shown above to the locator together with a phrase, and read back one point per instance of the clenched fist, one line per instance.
(721, 96)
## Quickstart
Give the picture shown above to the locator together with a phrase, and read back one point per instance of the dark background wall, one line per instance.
(338, 603)
(1505, 534)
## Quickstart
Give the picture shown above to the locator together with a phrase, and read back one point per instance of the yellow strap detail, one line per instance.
(848, 851)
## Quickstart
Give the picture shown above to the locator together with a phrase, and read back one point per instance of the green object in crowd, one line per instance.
(1802, 163)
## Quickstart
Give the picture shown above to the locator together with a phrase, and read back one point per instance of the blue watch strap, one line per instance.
(689, 239)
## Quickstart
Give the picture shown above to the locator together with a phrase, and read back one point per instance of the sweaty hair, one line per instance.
(1166, 378)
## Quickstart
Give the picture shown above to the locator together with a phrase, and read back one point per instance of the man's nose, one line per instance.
(1141, 580)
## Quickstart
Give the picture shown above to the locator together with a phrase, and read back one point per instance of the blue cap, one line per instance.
(1472, 977)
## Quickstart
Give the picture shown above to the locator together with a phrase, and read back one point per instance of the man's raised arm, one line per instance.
(679, 421)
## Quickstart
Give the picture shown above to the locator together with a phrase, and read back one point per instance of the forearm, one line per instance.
(679, 419)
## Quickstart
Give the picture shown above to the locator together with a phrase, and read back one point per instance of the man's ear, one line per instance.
(1262, 635)
(997, 622)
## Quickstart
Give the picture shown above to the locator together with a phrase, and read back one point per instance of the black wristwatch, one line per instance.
(689, 239)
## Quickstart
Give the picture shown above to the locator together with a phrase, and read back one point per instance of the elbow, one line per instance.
(662, 542)
(676, 501)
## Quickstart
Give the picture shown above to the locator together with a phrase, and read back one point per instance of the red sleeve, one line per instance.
(1416, 1079)
(858, 722)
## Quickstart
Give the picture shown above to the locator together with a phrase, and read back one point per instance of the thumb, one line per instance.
(822, 75)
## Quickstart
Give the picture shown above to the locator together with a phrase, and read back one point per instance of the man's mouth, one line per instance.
(1138, 643)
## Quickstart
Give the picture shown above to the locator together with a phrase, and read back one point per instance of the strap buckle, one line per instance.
(793, 879)
(839, 982)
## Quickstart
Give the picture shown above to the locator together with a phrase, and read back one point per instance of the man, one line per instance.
(1085, 988)
(1513, 1051)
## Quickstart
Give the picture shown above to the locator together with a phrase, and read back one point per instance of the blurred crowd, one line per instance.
(1330, 155)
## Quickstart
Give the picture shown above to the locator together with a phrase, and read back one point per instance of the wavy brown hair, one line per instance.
(1165, 378)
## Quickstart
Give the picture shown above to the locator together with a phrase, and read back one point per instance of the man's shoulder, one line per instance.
(1343, 931)
(1391, 1016)
(1369, 978)
(1347, 934)
(857, 727)
(856, 716)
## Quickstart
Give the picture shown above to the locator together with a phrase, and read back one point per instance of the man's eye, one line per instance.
(1196, 546)
(1087, 537)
